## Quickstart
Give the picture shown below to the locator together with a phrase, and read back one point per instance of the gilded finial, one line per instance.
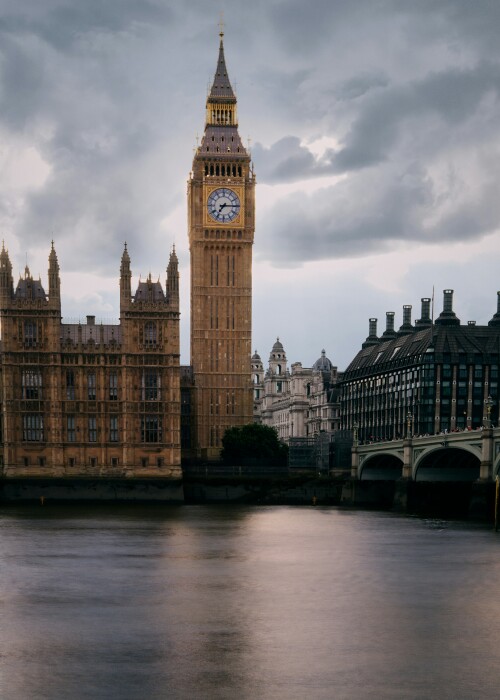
(221, 25)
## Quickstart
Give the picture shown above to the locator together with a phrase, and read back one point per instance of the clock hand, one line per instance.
(221, 206)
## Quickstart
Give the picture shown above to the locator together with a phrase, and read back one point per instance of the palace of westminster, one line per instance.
(113, 400)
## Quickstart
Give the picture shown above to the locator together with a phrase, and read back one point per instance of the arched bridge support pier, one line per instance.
(448, 469)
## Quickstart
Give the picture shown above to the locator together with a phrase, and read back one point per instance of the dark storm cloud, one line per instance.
(370, 214)
(453, 96)
(287, 161)
(110, 94)
(62, 24)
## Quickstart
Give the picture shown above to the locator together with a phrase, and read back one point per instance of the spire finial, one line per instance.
(221, 25)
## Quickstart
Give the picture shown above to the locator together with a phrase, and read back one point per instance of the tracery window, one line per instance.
(31, 384)
(151, 428)
(30, 333)
(151, 385)
(33, 427)
(150, 334)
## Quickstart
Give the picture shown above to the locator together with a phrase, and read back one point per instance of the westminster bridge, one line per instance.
(470, 455)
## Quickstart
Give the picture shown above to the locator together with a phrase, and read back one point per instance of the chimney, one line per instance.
(447, 317)
(495, 321)
(406, 328)
(389, 332)
(425, 320)
(372, 334)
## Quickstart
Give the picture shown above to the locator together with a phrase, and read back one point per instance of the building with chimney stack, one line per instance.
(426, 377)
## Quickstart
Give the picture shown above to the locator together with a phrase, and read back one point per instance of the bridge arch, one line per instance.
(496, 466)
(383, 466)
(445, 463)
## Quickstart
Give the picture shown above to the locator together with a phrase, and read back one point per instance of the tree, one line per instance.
(253, 444)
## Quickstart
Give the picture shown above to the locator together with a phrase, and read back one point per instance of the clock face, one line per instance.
(223, 205)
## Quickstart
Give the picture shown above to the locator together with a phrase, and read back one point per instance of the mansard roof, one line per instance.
(461, 343)
(28, 288)
(221, 141)
(149, 291)
(110, 332)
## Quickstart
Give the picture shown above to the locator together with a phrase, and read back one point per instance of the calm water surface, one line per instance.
(245, 602)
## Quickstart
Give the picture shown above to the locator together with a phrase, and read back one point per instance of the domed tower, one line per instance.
(221, 222)
(322, 364)
(258, 385)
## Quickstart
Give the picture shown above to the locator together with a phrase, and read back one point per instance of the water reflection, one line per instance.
(224, 602)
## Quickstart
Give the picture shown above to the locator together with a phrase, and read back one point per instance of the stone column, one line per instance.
(407, 458)
(486, 468)
(354, 462)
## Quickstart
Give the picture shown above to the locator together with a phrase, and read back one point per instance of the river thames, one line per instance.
(149, 602)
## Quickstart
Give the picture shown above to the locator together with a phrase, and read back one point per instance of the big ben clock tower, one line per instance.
(221, 222)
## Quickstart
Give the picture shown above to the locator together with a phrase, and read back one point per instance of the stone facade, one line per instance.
(221, 223)
(425, 378)
(86, 399)
(303, 402)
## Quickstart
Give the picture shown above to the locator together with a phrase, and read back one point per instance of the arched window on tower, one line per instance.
(30, 334)
(150, 336)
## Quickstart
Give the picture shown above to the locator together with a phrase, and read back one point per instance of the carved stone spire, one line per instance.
(6, 279)
(54, 279)
(125, 280)
(173, 279)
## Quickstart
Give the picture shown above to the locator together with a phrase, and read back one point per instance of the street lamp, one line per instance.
(489, 403)
(409, 419)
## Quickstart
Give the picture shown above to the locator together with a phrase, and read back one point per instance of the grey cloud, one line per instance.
(286, 161)
(453, 95)
(369, 213)
(359, 85)
(62, 25)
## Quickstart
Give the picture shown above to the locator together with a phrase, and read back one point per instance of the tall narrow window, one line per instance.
(70, 385)
(91, 395)
(150, 336)
(30, 334)
(151, 385)
(113, 386)
(70, 428)
(113, 428)
(92, 429)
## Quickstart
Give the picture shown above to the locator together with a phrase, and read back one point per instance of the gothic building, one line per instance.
(426, 377)
(221, 222)
(112, 400)
(86, 399)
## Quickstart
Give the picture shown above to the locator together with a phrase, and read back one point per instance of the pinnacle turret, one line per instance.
(172, 286)
(6, 279)
(54, 279)
(125, 280)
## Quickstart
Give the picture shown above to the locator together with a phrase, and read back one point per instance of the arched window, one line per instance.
(30, 334)
(150, 337)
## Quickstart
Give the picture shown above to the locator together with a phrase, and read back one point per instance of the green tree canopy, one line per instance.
(253, 444)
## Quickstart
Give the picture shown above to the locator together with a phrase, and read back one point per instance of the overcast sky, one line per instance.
(375, 135)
